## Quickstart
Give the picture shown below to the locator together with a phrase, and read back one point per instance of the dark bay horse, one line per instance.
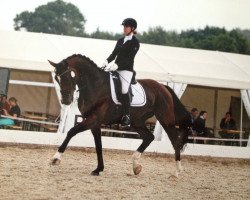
(97, 107)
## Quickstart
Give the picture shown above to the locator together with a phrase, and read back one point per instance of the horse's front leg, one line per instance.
(98, 145)
(89, 123)
(56, 159)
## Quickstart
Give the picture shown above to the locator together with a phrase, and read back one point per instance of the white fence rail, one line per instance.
(85, 139)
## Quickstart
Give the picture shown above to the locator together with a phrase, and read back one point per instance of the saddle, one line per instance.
(136, 91)
(117, 84)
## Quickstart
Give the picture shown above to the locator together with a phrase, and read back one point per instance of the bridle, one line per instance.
(65, 93)
(62, 73)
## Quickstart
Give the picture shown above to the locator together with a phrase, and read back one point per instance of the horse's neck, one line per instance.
(92, 85)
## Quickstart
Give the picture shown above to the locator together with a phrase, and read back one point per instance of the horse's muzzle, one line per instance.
(66, 102)
(67, 97)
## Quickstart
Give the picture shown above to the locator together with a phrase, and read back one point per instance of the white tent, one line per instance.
(30, 51)
(178, 66)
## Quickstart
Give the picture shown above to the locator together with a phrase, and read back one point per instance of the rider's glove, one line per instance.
(111, 67)
(105, 64)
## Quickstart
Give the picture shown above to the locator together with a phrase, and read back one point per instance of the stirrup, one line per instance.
(125, 121)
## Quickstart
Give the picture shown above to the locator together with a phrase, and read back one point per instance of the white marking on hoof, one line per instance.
(179, 168)
(56, 159)
(136, 166)
(174, 176)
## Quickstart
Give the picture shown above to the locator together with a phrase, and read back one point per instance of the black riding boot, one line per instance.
(126, 106)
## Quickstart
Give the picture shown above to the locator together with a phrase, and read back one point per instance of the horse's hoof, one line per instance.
(137, 169)
(175, 175)
(94, 173)
(55, 161)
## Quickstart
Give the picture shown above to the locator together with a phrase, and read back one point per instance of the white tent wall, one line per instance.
(246, 100)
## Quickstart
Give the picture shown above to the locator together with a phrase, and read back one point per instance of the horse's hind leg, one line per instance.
(147, 138)
(175, 139)
(168, 123)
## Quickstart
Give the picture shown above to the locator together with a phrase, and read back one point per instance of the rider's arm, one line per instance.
(115, 51)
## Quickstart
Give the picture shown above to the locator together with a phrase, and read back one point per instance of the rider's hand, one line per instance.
(111, 67)
(105, 64)
(114, 67)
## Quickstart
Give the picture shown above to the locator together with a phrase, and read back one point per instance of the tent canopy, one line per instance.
(30, 51)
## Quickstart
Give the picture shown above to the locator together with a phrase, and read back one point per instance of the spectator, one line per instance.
(228, 123)
(13, 112)
(193, 116)
(199, 126)
(4, 104)
(190, 122)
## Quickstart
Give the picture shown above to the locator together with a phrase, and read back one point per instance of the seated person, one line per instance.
(13, 112)
(189, 122)
(193, 116)
(228, 123)
(199, 126)
(4, 104)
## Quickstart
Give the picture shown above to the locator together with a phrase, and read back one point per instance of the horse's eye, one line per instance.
(72, 73)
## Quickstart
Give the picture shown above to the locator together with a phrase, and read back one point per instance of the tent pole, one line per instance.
(241, 118)
(215, 108)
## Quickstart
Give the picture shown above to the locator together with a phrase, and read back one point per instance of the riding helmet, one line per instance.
(130, 22)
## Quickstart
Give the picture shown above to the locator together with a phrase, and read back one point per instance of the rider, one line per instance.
(124, 54)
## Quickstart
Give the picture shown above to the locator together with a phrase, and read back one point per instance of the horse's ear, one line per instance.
(52, 63)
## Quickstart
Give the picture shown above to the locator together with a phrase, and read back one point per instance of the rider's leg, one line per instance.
(125, 78)
(126, 110)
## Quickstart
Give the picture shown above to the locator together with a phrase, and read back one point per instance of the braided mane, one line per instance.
(84, 58)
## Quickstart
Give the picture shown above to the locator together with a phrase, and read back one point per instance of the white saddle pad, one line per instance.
(139, 98)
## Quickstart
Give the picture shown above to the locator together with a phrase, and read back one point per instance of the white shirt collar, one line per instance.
(127, 37)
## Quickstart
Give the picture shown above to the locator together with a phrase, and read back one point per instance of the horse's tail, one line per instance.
(182, 117)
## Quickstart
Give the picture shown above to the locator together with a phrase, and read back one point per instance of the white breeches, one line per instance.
(125, 78)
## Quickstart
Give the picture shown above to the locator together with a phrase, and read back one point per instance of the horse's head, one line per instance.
(65, 77)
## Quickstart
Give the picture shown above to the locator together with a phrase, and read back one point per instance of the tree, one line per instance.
(224, 42)
(241, 41)
(155, 35)
(104, 35)
(55, 17)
